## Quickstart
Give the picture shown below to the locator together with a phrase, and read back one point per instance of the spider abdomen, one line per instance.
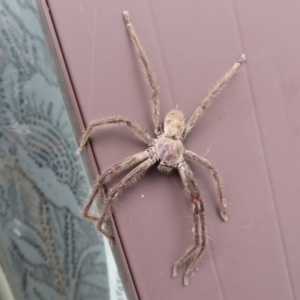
(170, 153)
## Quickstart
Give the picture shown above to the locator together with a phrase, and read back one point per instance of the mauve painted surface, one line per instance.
(251, 133)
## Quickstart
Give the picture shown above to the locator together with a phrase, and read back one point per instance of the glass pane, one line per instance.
(47, 250)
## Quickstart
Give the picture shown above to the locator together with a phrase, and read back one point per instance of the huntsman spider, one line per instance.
(167, 152)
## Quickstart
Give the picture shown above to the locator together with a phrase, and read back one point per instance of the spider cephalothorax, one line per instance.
(168, 146)
(168, 152)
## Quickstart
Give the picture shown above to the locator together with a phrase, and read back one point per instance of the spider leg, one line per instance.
(149, 73)
(213, 93)
(192, 254)
(128, 180)
(141, 134)
(104, 178)
(222, 203)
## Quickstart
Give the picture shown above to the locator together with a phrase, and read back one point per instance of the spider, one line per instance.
(168, 153)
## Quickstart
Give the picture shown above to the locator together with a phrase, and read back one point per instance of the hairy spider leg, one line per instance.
(140, 133)
(212, 93)
(201, 160)
(193, 254)
(125, 164)
(149, 73)
(128, 180)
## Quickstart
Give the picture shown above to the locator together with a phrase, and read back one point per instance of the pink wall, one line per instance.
(251, 133)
